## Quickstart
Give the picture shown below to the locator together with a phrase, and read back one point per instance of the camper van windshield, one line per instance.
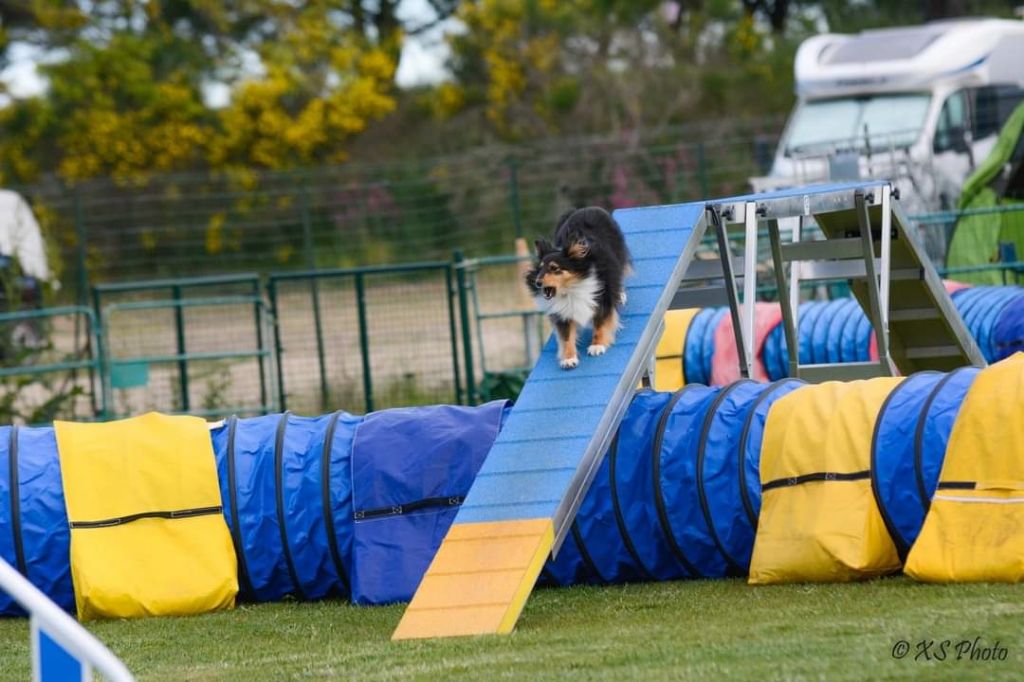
(841, 123)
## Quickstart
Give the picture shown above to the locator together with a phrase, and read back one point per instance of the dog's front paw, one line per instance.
(568, 363)
(597, 349)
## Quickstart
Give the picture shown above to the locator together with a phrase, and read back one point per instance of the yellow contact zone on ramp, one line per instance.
(479, 580)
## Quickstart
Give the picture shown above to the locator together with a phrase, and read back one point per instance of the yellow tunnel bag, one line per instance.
(668, 356)
(148, 535)
(819, 521)
(974, 529)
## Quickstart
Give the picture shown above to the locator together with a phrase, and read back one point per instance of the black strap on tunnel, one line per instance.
(12, 477)
(922, 490)
(748, 504)
(244, 583)
(325, 480)
(817, 476)
(734, 569)
(659, 501)
(617, 510)
(407, 507)
(957, 485)
(902, 548)
(282, 426)
(174, 514)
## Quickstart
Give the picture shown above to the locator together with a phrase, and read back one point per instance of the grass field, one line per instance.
(682, 630)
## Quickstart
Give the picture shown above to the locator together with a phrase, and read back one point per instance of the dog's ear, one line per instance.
(578, 249)
(543, 247)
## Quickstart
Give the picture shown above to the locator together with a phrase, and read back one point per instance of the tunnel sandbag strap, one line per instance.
(831, 531)
(289, 560)
(816, 477)
(956, 485)
(245, 583)
(325, 481)
(971, 532)
(15, 492)
(145, 560)
(620, 521)
(408, 508)
(121, 520)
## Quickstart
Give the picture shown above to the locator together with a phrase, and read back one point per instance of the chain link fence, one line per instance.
(368, 213)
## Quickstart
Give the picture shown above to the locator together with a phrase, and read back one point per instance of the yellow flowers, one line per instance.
(132, 104)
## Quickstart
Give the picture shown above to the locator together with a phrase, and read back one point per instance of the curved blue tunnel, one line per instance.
(355, 507)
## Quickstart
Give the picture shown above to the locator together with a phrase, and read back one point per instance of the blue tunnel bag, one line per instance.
(402, 505)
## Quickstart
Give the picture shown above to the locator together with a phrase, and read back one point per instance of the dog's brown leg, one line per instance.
(604, 334)
(566, 334)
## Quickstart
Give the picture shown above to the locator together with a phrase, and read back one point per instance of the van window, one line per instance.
(993, 104)
(954, 120)
(842, 123)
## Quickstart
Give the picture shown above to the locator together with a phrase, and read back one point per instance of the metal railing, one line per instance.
(417, 310)
(65, 355)
(319, 339)
(132, 371)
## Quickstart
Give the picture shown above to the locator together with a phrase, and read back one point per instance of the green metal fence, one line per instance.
(369, 337)
(197, 345)
(442, 331)
(55, 374)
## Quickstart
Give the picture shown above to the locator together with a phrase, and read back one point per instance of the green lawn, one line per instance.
(700, 630)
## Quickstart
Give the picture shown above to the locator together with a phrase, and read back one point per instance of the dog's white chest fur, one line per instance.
(577, 302)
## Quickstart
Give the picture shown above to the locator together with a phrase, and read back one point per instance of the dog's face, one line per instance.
(557, 269)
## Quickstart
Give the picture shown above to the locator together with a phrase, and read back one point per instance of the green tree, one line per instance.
(127, 77)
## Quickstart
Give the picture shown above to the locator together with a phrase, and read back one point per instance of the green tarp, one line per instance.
(994, 183)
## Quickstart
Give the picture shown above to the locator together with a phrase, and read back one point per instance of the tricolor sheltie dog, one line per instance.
(579, 280)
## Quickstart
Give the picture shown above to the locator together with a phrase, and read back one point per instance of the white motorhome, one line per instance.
(919, 105)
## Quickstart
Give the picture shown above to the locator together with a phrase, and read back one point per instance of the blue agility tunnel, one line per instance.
(909, 445)
(279, 474)
(356, 507)
(34, 533)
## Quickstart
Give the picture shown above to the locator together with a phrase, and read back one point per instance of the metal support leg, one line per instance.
(788, 319)
(725, 253)
(864, 223)
(749, 285)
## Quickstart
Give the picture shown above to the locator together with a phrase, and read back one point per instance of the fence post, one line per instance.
(467, 339)
(452, 334)
(364, 341)
(513, 195)
(179, 328)
(258, 316)
(278, 350)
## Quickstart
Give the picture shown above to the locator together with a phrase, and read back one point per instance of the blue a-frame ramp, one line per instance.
(529, 489)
